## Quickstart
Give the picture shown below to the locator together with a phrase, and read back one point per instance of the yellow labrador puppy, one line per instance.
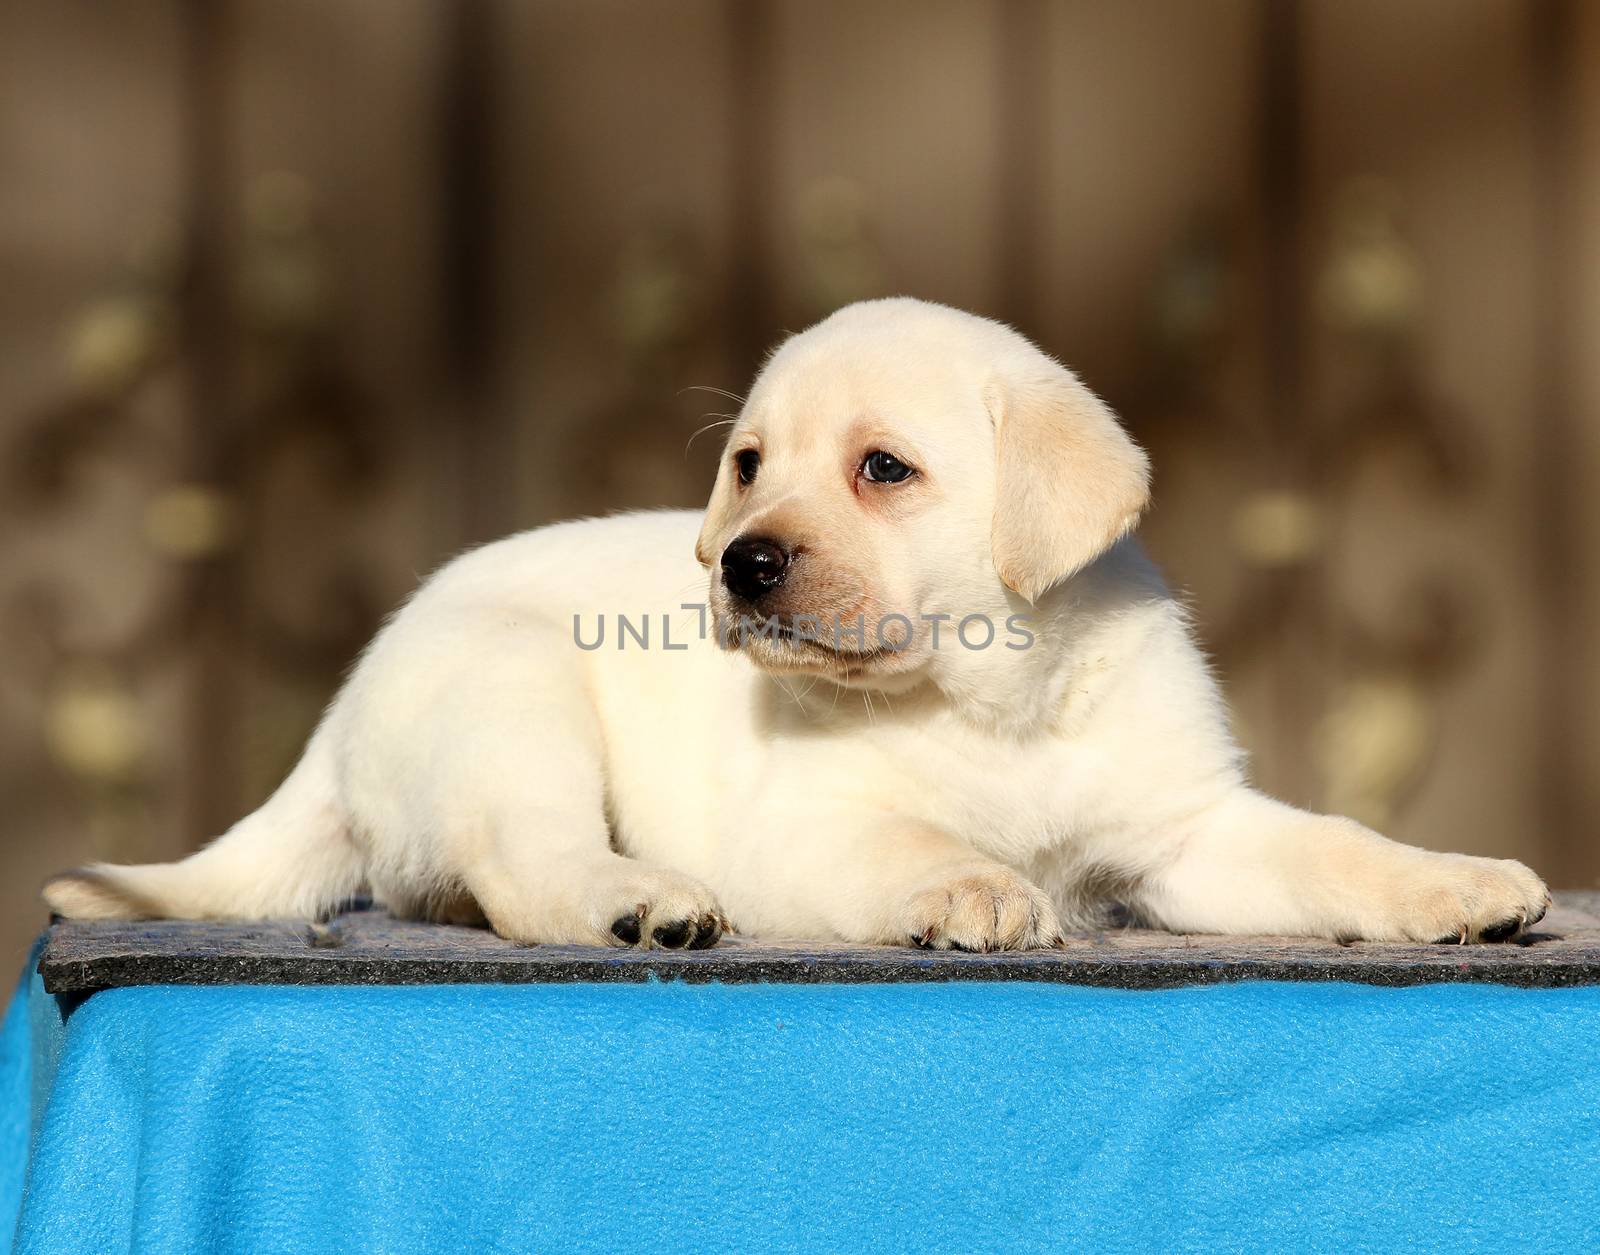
(934, 695)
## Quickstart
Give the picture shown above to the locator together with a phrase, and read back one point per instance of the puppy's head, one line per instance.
(898, 462)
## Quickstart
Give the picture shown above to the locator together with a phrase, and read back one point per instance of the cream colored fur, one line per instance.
(479, 760)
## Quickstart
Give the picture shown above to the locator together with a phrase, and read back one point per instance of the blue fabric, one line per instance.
(16, 1101)
(963, 1117)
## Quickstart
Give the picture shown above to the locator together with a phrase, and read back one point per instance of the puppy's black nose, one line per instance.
(753, 565)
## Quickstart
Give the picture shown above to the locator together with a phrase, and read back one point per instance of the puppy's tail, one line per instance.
(292, 858)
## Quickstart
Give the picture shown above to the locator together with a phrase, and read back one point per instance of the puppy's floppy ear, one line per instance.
(1069, 481)
(718, 510)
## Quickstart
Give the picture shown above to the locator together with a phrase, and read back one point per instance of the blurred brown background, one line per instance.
(298, 297)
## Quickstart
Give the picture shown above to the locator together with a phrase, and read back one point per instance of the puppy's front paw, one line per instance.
(1466, 899)
(985, 907)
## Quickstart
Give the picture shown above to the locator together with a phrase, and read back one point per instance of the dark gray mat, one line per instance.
(367, 947)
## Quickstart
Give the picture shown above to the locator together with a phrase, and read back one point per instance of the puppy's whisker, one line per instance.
(723, 420)
(721, 392)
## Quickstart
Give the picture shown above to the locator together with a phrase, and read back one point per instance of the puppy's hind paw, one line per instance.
(681, 934)
(658, 908)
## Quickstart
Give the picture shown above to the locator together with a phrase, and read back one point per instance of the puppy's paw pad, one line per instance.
(708, 931)
(688, 934)
(626, 929)
(1504, 930)
(673, 936)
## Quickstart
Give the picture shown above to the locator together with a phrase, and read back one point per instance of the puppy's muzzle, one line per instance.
(753, 566)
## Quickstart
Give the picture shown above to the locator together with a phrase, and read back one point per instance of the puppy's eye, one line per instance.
(885, 468)
(748, 463)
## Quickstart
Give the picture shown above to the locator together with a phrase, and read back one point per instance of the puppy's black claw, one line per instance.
(626, 929)
(706, 934)
(1504, 930)
(672, 936)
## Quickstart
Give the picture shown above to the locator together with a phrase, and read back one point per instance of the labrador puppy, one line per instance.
(931, 693)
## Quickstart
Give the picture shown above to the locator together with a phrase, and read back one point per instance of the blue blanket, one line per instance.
(961, 1117)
